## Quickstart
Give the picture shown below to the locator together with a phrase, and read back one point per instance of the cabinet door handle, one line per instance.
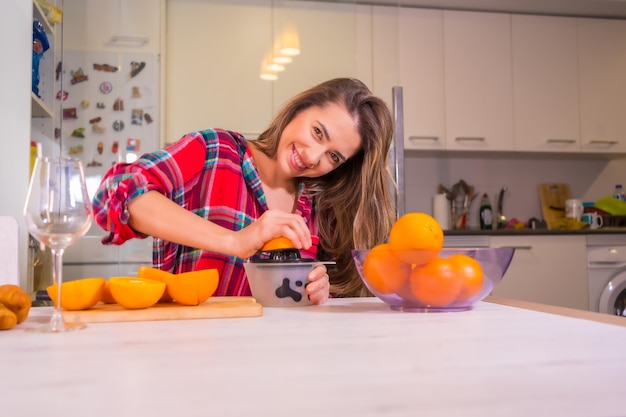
(469, 139)
(517, 247)
(420, 138)
(568, 141)
(603, 142)
(138, 40)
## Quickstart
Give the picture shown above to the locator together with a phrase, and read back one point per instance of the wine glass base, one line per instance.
(50, 328)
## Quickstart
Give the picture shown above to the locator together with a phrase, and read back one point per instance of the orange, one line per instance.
(384, 272)
(278, 243)
(158, 275)
(136, 293)
(107, 297)
(80, 294)
(471, 274)
(437, 283)
(416, 238)
(193, 288)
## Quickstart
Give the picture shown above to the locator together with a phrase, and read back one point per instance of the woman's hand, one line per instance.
(272, 224)
(318, 288)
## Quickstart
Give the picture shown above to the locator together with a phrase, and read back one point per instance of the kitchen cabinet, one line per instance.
(602, 58)
(545, 84)
(421, 72)
(214, 80)
(478, 81)
(107, 26)
(385, 52)
(546, 269)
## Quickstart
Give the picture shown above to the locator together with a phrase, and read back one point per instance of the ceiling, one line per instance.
(589, 8)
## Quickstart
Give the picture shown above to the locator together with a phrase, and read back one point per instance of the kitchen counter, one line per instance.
(349, 357)
(535, 232)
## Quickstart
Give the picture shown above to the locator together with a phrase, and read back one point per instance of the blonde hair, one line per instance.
(354, 201)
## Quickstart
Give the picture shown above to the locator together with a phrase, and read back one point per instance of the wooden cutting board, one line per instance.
(214, 307)
(553, 197)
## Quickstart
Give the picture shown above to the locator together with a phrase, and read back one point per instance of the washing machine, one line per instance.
(606, 269)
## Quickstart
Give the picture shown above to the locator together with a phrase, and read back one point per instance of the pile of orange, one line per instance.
(410, 265)
(149, 287)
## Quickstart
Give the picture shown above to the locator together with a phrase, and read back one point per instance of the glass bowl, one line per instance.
(493, 262)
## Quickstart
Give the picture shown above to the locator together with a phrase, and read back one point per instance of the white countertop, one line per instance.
(350, 357)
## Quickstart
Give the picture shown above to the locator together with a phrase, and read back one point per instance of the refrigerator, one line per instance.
(110, 109)
(396, 154)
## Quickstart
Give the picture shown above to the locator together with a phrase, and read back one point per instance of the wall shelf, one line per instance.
(38, 107)
(39, 14)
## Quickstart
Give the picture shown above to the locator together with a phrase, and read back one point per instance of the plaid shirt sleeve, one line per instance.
(163, 171)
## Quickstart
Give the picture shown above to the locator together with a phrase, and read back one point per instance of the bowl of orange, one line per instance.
(455, 280)
(413, 272)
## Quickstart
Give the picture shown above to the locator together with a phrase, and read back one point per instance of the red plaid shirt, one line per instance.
(210, 173)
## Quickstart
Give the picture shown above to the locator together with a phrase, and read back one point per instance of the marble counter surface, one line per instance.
(350, 357)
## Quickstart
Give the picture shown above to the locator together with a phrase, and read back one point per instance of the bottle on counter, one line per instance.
(619, 192)
(486, 213)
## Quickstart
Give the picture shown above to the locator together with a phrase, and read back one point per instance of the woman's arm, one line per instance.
(154, 214)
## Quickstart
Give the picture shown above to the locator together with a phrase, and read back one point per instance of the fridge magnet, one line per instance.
(100, 105)
(78, 76)
(118, 125)
(147, 118)
(94, 163)
(95, 120)
(106, 87)
(105, 67)
(136, 68)
(133, 144)
(118, 105)
(135, 93)
(97, 128)
(85, 104)
(75, 149)
(79, 132)
(70, 113)
(115, 147)
(136, 117)
(100, 148)
(62, 95)
(58, 70)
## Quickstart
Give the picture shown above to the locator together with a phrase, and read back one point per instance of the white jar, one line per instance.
(574, 209)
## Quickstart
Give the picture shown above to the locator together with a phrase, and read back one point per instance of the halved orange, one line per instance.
(80, 294)
(157, 275)
(107, 298)
(278, 243)
(193, 288)
(135, 293)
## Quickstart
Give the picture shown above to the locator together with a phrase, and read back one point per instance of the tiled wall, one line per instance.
(589, 178)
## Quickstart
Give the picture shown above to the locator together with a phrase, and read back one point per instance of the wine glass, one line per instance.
(58, 212)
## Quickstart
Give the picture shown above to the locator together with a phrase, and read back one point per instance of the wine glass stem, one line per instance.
(57, 278)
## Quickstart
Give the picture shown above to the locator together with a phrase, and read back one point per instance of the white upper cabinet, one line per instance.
(385, 52)
(421, 76)
(97, 25)
(545, 84)
(478, 81)
(602, 54)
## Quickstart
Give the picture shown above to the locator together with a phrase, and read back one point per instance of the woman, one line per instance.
(318, 176)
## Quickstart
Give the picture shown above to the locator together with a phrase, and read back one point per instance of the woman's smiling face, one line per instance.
(318, 140)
